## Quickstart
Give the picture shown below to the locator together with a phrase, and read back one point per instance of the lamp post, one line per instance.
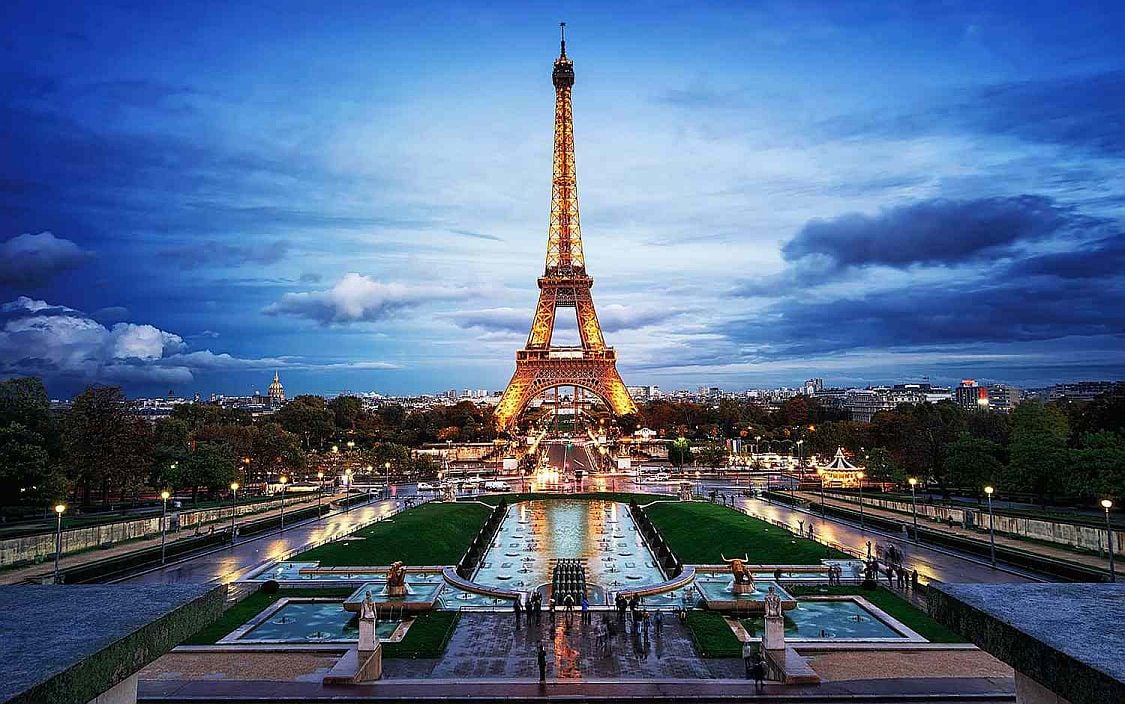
(991, 534)
(1107, 505)
(862, 517)
(347, 490)
(164, 495)
(283, 480)
(59, 509)
(914, 505)
(319, 491)
(820, 476)
(387, 466)
(233, 509)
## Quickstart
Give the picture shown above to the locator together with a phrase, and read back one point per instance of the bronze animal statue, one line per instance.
(739, 570)
(396, 575)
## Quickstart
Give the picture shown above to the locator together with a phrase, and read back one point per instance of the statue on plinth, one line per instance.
(743, 578)
(774, 638)
(370, 662)
(396, 579)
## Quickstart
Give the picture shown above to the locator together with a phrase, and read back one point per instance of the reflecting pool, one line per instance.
(829, 619)
(600, 532)
(311, 622)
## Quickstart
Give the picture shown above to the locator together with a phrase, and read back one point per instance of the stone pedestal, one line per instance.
(396, 590)
(774, 636)
(370, 664)
(742, 587)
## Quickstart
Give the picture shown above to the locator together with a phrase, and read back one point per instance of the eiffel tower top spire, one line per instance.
(564, 237)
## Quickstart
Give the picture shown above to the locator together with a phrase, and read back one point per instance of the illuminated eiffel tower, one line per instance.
(564, 284)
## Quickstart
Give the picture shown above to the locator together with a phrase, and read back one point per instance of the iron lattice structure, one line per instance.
(564, 284)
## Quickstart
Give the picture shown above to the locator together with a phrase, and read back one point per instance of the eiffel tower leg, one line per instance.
(515, 397)
(612, 389)
(588, 326)
(543, 324)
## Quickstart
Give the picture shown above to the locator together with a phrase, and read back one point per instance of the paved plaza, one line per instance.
(490, 646)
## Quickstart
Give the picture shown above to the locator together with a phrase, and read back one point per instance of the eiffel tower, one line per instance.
(564, 284)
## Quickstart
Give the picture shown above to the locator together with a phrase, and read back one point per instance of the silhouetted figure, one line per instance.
(517, 608)
(541, 659)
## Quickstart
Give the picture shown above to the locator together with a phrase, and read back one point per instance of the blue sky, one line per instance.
(356, 194)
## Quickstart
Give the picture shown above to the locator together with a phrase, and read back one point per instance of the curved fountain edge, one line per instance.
(682, 580)
(467, 585)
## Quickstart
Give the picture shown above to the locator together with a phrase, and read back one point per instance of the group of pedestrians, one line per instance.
(534, 608)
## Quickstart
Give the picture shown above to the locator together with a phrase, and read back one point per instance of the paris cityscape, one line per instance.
(298, 402)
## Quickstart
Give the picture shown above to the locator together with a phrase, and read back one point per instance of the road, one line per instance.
(230, 563)
(577, 457)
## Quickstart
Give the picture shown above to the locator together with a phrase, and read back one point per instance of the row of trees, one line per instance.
(98, 450)
(1052, 451)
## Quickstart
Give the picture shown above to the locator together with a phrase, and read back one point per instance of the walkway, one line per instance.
(230, 563)
(46, 569)
(980, 537)
(931, 563)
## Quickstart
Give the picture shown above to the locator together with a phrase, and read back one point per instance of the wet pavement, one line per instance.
(490, 646)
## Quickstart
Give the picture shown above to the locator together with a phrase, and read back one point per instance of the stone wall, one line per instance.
(1070, 534)
(38, 547)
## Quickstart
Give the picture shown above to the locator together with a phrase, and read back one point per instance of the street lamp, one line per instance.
(164, 495)
(991, 535)
(348, 490)
(283, 480)
(862, 517)
(387, 466)
(59, 509)
(319, 490)
(914, 505)
(233, 508)
(1107, 505)
(351, 444)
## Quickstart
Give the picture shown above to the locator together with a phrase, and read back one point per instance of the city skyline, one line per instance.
(780, 191)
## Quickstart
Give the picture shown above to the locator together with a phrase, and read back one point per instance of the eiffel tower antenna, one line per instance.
(564, 284)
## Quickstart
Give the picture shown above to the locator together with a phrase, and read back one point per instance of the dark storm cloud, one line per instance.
(931, 232)
(1082, 111)
(936, 316)
(31, 260)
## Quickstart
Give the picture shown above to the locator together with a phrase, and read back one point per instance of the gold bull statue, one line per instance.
(739, 570)
(396, 575)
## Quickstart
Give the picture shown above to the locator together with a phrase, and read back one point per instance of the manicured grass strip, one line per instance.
(432, 534)
(712, 636)
(701, 533)
(911, 616)
(253, 605)
(622, 496)
(427, 637)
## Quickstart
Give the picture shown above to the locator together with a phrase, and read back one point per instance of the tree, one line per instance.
(106, 448)
(275, 450)
(1038, 450)
(29, 447)
(310, 418)
(210, 466)
(714, 455)
(1098, 470)
(679, 452)
(972, 462)
(348, 410)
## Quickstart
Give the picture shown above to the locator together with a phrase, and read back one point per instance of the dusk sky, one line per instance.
(356, 194)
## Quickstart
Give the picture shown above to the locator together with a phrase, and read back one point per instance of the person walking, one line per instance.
(516, 609)
(914, 579)
(568, 607)
(585, 609)
(551, 611)
(541, 659)
(890, 576)
(658, 621)
(758, 670)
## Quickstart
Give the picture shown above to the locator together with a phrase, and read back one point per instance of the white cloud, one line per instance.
(358, 298)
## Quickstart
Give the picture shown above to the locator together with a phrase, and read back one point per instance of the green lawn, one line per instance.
(711, 635)
(910, 615)
(622, 496)
(700, 533)
(253, 605)
(427, 637)
(432, 534)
